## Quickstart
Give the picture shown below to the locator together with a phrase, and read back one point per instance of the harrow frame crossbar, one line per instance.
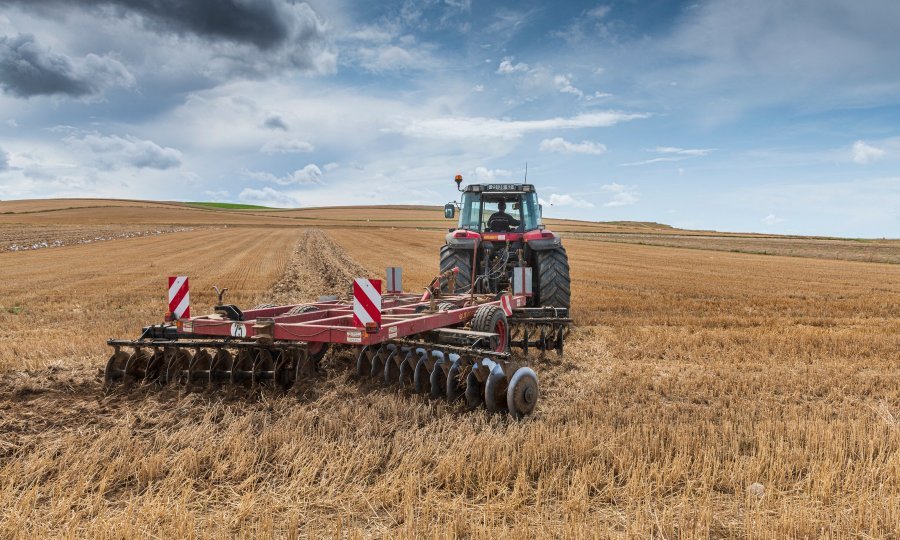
(422, 342)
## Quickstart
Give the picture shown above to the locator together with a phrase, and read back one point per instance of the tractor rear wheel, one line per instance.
(553, 286)
(457, 258)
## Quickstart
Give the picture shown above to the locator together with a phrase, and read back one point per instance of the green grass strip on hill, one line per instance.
(230, 206)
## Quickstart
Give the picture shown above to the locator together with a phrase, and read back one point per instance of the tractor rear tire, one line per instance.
(457, 258)
(553, 287)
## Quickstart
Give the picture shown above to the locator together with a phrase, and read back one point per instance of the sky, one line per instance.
(779, 116)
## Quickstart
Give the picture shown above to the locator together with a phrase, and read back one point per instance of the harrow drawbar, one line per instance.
(452, 347)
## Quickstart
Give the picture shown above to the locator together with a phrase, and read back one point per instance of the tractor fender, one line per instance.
(543, 244)
(463, 239)
(542, 240)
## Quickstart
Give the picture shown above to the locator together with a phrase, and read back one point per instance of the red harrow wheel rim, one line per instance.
(500, 330)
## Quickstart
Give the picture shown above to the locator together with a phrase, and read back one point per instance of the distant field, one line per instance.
(33, 222)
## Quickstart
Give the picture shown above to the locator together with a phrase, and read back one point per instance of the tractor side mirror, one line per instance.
(541, 210)
(449, 210)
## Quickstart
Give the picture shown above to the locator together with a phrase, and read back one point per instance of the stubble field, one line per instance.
(692, 374)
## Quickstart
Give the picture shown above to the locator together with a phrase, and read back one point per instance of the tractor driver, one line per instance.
(500, 221)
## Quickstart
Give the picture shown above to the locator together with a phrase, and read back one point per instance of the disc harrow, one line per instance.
(451, 347)
(472, 376)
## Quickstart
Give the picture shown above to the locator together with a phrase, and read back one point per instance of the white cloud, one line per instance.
(507, 67)
(864, 153)
(486, 128)
(564, 85)
(311, 174)
(566, 200)
(268, 197)
(478, 88)
(598, 95)
(693, 152)
(671, 153)
(290, 146)
(563, 146)
(651, 161)
(331, 166)
(622, 195)
(772, 219)
(483, 174)
(113, 151)
(395, 58)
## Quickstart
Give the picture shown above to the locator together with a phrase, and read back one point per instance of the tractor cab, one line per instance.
(497, 208)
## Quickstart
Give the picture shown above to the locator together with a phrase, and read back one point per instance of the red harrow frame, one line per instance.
(451, 346)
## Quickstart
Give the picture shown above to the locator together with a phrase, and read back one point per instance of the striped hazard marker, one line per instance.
(367, 302)
(506, 304)
(179, 297)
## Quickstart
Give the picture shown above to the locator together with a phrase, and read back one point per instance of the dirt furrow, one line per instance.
(318, 267)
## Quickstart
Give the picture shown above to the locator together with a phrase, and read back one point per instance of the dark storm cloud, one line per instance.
(276, 122)
(27, 69)
(262, 23)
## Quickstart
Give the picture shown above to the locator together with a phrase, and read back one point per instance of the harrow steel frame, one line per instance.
(423, 343)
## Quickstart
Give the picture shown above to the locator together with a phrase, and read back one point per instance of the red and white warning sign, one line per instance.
(506, 304)
(366, 302)
(179, 297)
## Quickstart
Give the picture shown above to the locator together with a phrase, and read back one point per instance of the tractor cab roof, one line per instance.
(499, 188)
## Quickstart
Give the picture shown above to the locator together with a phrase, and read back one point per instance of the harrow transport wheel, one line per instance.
(115, 367)
(522, 393)
(457, 258)
(455, 388)
(492, 319)
(553, 287)
(495, 390)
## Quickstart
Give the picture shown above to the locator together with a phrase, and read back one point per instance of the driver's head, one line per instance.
(501, 206)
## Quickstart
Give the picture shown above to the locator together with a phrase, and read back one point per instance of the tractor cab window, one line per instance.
(519, 214)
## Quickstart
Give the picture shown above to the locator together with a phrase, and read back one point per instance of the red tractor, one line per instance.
(500, 230)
